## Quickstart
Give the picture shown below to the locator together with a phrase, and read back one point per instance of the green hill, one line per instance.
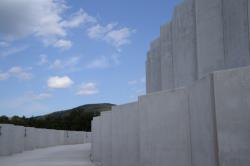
(78, 118)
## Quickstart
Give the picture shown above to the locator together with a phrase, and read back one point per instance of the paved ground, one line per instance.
(69, 155)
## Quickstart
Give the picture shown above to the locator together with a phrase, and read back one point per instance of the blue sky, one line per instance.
(58, 54)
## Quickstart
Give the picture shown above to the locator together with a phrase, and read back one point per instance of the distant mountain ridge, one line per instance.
(78, 118)
(94, 108)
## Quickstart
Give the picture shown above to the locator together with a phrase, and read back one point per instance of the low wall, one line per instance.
(15, 139)
(207, 124)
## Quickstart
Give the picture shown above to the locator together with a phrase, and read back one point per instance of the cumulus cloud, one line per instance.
(111, 34)
(59, 82)
(87, 89)
(41, 18)
(17, 72)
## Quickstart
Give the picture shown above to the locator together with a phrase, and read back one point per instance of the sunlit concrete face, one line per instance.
(205, 36)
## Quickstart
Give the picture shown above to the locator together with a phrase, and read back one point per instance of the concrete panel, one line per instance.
(125, 135)
(6, 139)
(29, 138)
(210, 46)
(154, 58)
(184, 45)
(106, 127)
(168, 128)
(148, 75)
(167, 72)
(232, 103)
(117, 136)
(202, 118)
(236, 33)
(18, 139)
(97, 140)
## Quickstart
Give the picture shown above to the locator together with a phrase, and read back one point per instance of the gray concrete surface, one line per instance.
(232, 104)
(68, 155)
(167, 111)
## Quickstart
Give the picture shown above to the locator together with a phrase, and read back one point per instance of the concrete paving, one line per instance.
(68, 155)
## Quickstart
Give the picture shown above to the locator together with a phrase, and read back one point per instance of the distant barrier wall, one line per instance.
(15, 139)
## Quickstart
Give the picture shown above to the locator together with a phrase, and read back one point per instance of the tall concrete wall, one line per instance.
(184, 45)
(206, 35)
(16, 139)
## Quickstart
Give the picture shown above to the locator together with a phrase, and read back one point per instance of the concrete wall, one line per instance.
(167, 131)
(16, 139)
(206, 36)
(232, 105)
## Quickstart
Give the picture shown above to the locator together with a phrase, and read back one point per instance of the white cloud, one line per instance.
(87, 89)
(111, 34)
(132, 82)
(68, 63)
(77, 19)
(59, 82)
(43, 59)
(17, 72)
(12, 50)
(63, 44)
(44, 19)
(20, 73)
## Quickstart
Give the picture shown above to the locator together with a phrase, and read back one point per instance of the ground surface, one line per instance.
(69, 155)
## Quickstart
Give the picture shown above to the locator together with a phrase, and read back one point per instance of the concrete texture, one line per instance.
(18, 139)
(236, 33)
(168, 112)
(6, 139)
(232, 104)
(70, 155)
(184, 44)
(125, 135)
(167, 70)
(29, 138)
(106, 127)
(203, 123)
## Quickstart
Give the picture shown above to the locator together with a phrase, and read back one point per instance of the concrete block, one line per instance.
(209, 29)
(106, 127)
(203, 123)
(97, 140)
(167, 71)
(18, 139)
(232, 104)
(30, 138)
(167, 131)
(236, 33)
(184, 44)
(6, 139)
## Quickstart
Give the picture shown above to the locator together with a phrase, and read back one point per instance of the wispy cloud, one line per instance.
(43, 59)
(8, 51)
(63, 44)
(99, 63)
(87, 89)
(57, 82)
(111, 34)
(137, 81)
(17, 72)
(68, 63)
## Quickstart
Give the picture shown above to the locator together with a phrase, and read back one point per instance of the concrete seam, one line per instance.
(223, 34)
(248, 26)
(190, 130)
(213, 109)
(195, 41)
